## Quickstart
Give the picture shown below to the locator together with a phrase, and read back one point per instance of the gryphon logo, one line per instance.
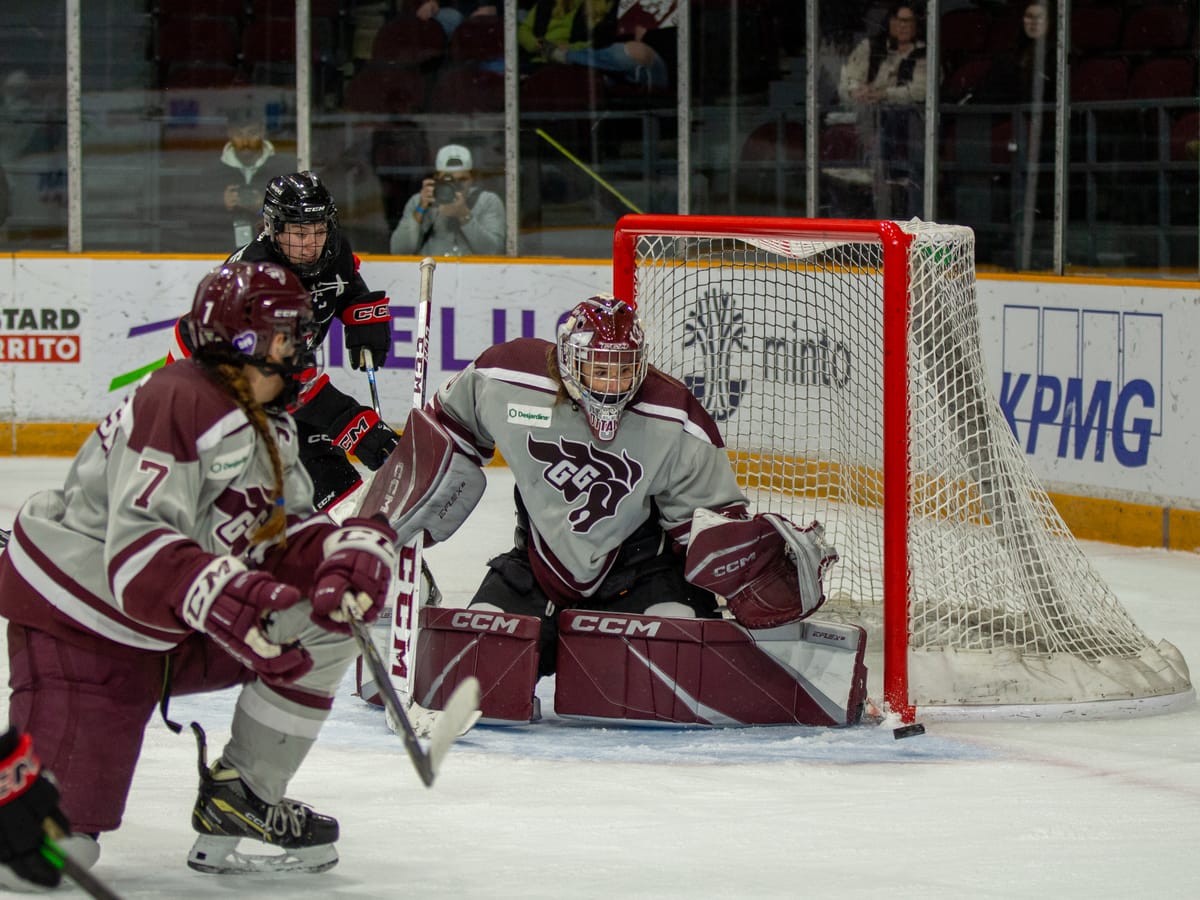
(1091, 379)
(714, 327)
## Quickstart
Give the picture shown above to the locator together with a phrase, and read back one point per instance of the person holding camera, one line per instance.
(248, 163)
(451, 215)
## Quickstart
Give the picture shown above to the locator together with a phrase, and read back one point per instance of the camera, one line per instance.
(445, 189)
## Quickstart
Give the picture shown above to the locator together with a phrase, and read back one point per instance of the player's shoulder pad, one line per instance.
(664, 397)
(201, 414)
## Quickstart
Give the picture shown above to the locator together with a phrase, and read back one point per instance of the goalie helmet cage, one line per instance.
(843, 363)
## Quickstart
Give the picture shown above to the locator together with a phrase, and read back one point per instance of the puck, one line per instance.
(908, 731)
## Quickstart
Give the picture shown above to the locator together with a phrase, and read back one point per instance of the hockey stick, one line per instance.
(74, 870)
(460, 710)
(404, 616)
(369, 366)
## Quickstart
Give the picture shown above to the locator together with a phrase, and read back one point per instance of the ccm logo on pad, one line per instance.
(481, 621)
(615, 625)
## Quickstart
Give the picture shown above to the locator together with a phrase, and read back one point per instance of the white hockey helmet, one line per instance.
(602, 359)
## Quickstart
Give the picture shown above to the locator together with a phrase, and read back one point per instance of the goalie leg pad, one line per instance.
(498, 648)
(768, 570)
(424, 485)
(708, 672)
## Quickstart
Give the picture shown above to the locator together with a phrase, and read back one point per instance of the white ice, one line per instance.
(1092, 809)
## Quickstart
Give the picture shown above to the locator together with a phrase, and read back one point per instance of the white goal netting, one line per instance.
(782, 336)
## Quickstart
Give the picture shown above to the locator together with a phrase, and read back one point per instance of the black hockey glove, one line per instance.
(368, 327)
(375, 445)
(27, 799)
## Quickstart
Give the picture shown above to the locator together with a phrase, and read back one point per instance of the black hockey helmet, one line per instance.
(301, 199)
(240, 307)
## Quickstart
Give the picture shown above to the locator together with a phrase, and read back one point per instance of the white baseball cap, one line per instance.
(453, 158)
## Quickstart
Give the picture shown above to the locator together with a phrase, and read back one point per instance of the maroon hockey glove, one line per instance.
(354, 579)
(27, 798)
(368, 327)
(768, 570)
(233, 606)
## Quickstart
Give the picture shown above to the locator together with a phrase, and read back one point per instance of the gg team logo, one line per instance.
(576, 469)
(1086, 382)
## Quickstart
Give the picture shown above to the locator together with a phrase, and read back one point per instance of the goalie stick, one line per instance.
(404, 614)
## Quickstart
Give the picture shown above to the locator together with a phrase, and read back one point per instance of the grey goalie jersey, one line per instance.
(584, 497)
(175, 476)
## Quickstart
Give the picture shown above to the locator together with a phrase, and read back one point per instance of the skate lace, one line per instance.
(286, 816)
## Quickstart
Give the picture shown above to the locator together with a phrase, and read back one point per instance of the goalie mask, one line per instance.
(301, 199)
(602, 359)
(240, 307)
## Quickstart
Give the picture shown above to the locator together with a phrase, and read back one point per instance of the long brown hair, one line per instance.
(229, 376)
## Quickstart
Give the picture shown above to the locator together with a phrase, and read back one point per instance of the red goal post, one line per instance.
(843, 362)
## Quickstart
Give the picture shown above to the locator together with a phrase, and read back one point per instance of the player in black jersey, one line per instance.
(301, 233)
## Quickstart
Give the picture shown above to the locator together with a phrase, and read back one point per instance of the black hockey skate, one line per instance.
(227, 811)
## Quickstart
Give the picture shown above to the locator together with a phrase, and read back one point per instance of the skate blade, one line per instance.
(220, 856)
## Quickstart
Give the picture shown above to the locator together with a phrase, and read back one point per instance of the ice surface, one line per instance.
(1092, 809)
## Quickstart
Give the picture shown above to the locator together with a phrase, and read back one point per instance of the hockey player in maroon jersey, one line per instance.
(627, 505)
(176, 559)
(302, 234)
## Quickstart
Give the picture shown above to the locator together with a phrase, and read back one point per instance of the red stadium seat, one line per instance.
(1099, 78)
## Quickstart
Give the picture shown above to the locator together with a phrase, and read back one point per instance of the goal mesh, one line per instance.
(784, 330)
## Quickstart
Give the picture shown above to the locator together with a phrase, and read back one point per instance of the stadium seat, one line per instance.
(1095, 29)
(1152, 29)
(1163, 77)
(409, 41)
(477, 40)
(466, 89)
(1099, 78)
(383, 88)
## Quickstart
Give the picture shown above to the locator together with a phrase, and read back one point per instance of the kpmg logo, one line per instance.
(714, 328)
(1086, 382)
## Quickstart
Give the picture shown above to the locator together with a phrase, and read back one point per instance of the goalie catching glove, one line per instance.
(768, 570)
(353, 580)
(232, 605)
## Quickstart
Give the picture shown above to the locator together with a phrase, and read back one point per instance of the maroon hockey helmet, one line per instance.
(241, 306)
(602, 359)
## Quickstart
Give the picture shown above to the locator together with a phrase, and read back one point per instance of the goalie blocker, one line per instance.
(648, 669)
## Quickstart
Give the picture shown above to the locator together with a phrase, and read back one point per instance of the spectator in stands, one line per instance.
(1027, 73)
(248, 162)
(884, 81)
(451, 215)
(584, 33)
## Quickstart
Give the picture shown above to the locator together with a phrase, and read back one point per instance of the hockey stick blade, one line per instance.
(460, 709)
(75, 870)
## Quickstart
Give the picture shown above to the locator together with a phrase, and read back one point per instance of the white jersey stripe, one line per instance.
(525, 379)
(74, 608)
(672, 414)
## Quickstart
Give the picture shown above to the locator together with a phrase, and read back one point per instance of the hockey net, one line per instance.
(842, 361)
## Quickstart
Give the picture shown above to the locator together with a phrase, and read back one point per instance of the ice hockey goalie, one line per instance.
(630, 527)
